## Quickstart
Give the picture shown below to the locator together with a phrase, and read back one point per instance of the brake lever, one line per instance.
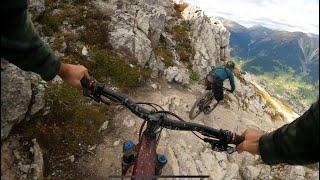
(87, 93)
(219, 146)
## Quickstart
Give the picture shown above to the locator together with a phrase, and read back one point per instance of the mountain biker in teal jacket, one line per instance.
(216, 78)
(21, 45)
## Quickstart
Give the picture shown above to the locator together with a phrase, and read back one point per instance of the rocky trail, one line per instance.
(187, 155)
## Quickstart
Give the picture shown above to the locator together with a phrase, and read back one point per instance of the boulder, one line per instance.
(156, 65)
(15, 97)
(22, 95)
(16, 162)
(174, 74)
(135, 27)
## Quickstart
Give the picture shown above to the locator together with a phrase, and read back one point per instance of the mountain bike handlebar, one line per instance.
(96, 90)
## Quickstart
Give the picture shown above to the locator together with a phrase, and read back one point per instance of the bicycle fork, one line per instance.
(130, 153)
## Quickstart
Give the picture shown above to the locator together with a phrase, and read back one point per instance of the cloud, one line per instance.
(289, 15)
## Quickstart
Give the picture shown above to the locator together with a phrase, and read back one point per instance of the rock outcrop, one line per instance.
(135, 26)
(15, 163)
(210, 40)
(15, 97)
(174, 74)
(20, 97)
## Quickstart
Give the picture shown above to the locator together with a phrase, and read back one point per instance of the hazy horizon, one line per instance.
(287, 15)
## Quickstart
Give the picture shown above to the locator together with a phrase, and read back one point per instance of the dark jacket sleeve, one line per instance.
(21, 45)
(294, 143)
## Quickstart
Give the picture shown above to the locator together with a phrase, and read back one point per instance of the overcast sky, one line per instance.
(289, 15)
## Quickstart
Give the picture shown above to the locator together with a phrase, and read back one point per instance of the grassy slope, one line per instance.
(288, 83)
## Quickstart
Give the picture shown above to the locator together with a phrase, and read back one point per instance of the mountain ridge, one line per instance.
(269, 49)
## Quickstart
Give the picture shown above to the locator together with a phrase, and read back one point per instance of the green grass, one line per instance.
(70, 124)
(108, 65)
(286, 82)
(164, 52)
(194, 76)
(95, 30)
(283, 81)
(50, 22)
(181, 34)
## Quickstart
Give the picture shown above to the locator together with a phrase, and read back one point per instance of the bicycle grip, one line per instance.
(238, 139)
(87, 82)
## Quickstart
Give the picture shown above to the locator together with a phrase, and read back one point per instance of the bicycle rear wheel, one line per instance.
(196, 109)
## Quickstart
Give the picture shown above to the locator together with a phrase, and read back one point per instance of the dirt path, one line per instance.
(186, 154)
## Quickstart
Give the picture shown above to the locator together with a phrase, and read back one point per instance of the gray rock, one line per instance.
(312, 175)
(71, 158)
(37, 164)
(210, 40)
(16, 154)
(37, 5)
(265, 171)
(135, 26)
(294, 173)
(154, 86)
(8, 158)
(122, 36)
(251, 172)
(129, 122)
(104, 126)
(24, 168)
(169, 39)
(63, 47)
(84, 51)
(233, 172)
(15, 97)
(116, 143)
(142, 50)
(156, 65)
(174, 74)
(39, 102)
(57, 80)
(174, 103)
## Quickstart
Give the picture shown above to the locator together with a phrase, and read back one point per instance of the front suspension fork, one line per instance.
(130, 152)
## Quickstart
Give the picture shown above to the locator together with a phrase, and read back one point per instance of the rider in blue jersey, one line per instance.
(215, 81)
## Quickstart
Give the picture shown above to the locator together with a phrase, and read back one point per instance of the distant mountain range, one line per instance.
(267, 50)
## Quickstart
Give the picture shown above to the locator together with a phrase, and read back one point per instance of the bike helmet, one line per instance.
(230, 65)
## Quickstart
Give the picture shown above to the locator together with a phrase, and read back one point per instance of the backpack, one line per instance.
(214, 68)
